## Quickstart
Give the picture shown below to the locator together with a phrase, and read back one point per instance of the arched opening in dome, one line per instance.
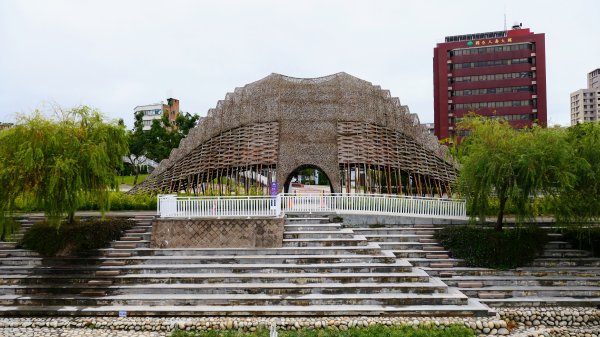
(308, 179)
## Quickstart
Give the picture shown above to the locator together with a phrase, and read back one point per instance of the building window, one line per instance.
(493, 63)
(494, 77)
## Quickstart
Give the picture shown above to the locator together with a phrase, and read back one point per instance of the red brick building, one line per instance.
(498, 74)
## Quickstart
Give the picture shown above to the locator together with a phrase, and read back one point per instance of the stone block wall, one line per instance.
(217, 233)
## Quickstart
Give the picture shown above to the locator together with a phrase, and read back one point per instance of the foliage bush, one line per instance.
(486, 247)
(371, 331)
(73, 238)
(118, 201)
(586, 238)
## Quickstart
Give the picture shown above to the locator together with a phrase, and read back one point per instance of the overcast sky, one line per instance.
(114, 55)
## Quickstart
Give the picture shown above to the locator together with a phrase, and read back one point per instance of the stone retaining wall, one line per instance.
(217, 233)
(551, 321)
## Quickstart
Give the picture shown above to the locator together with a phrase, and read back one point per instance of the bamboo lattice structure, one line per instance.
(360, 136)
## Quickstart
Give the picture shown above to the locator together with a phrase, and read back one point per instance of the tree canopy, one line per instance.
(164, 136)
(56, 162)
(512, 165)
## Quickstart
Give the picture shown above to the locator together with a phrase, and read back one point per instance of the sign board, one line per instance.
(122, 313)
(274, 188)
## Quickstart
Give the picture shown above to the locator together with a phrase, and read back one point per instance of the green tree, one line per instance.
(515, 166)
(164, 136)
(579, 201)
(137, 141)
(55, 163)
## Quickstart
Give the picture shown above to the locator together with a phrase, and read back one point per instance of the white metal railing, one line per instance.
(172, 206)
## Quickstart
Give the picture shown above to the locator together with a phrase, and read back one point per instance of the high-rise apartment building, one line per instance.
(585, 103)
(157, 110)
(496, 74)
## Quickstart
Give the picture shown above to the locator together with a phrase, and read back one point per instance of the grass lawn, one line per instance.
(128, 180)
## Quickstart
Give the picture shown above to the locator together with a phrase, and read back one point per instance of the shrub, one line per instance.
(74, 238)
(485, 247)
(586, 238)
(371, 331)
(118, 201)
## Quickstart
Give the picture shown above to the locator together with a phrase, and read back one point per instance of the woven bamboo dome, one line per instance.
(356, 133)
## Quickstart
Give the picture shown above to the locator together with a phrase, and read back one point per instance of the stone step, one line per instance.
(138, 231)
(434, 249)
(4, 255)
(290, 289)
(93, 283)
(442, 265)
(312, 227)
(529, 271)
(436, 263)
(393, 231)
(216, 278)
(335, 250)
(558, 245)
(407, 254)
(469, 284)
(12, 261)
(381, 257)
(405, 245)
(170, 268)
(343, 242)
(107, 273)
(490, 295)
(342, 233)
(473, 308)
(535, 301)
(93, 293)
(539, 291)
(566, 253)
(131, 238)
(393, 299)
(427, 240)
(436, 256)
(116, 255)
(306, 221)
(566, 262)
(125, 245)
(399, 238)
(424, 226)
(112, 263)
(525, 281)
(7, 245)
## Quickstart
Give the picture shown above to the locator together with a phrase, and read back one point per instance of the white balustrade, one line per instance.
(171, 206)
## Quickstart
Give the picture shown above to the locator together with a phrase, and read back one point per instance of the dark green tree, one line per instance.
(138, 142)
(55, 163)
(164, 136)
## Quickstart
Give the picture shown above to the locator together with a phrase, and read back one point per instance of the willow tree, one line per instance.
(512, 166)
(57, 162)
(579, 202)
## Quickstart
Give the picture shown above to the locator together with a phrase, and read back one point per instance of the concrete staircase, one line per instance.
(322, 269)
(561, 276)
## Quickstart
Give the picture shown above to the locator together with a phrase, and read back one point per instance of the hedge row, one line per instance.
(118, 201)
(486, 247)
(74, 238)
